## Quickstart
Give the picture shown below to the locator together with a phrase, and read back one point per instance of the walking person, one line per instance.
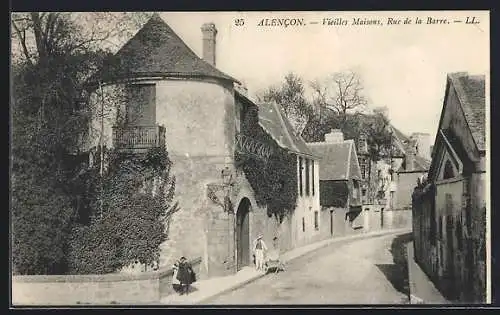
(185, 275)
(176, 284)
(259, 249)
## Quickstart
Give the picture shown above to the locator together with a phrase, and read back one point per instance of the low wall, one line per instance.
(395, 219)
(147, 287)
(376, 218)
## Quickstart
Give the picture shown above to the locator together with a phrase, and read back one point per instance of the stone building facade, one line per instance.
(340, 183)
(449, 209)
(155, 90)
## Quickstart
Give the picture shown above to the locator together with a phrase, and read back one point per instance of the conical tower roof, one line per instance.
(156, 50)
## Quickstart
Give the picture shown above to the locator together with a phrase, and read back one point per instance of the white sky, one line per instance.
(404, 67)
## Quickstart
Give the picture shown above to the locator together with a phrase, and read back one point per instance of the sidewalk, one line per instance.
(210, 288)
(422, 290)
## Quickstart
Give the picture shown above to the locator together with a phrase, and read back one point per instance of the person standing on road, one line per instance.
(185, 275)
(176, 284)
(259, 249)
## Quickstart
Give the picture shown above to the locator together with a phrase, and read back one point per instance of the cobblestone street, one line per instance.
(357, 272)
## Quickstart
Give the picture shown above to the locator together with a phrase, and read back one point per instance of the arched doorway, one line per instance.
(243, 234)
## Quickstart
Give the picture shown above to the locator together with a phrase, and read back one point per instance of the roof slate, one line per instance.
(471, 93)
(156, 50)
(338, 160)
(275, 123)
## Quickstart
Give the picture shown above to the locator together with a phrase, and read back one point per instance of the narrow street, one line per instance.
(369, 271)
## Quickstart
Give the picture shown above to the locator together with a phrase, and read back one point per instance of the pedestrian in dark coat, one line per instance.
(176, 284)
(185, 275)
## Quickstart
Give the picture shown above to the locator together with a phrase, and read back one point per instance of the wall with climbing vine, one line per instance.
(273, 180)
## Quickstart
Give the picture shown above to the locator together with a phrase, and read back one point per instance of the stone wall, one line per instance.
(406, 182)
(377, 217)
(147, 287)
(454, 257)
(187, 227)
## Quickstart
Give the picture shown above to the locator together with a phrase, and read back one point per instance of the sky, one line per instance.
(403, 67)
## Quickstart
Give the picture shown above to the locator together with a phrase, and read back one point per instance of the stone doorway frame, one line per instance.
(242, 234)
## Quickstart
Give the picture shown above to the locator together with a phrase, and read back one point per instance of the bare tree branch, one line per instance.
(22, 40)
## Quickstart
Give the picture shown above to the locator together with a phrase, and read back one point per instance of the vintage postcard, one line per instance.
(250, 158)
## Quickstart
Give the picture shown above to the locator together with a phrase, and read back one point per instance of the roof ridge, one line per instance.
(282, 120)
(465, 105)
(156, 49)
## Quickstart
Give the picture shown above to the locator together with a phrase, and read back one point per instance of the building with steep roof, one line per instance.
(449, 208)
(393, 176)
(156, 92)
(340, 178)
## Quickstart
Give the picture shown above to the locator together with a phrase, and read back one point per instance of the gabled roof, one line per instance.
(274, 122)
(338, 160)
(400, 142)
(471, 94)
(421, 164)
(156, 50)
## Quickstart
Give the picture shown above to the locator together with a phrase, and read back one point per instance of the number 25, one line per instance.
(239, 22)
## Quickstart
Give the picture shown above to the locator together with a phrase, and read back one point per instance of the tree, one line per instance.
(341, 92)
(378, 133)
(138, 204)
(53, 55)
(290, 95)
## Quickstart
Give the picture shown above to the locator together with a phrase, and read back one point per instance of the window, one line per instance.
(355, 189)
(363, 191)
(300, 176)
(140, 109)
(303, 224)
(448, 170)
(363, 170)
(307, 177)
(316, 220)
(312, 172)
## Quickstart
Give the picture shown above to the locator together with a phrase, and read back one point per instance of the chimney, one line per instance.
(335, 136)
(362, 144)
(209, 33)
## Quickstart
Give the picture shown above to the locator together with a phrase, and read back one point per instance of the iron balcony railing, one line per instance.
(138, 137)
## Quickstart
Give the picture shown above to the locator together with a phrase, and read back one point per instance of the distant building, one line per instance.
(393, 176)
(339, 182)
(449, 208)
(413, 167)
(161, 94)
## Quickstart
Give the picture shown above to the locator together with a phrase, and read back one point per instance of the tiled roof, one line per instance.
(156, 50)
(275, 123)
(400, 142)
(471, 93)
(338, 160)
(421, 164)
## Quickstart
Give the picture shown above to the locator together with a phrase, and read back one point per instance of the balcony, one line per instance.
(136, 139)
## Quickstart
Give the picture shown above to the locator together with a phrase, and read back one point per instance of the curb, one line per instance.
(415, 288)
(330, 242)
